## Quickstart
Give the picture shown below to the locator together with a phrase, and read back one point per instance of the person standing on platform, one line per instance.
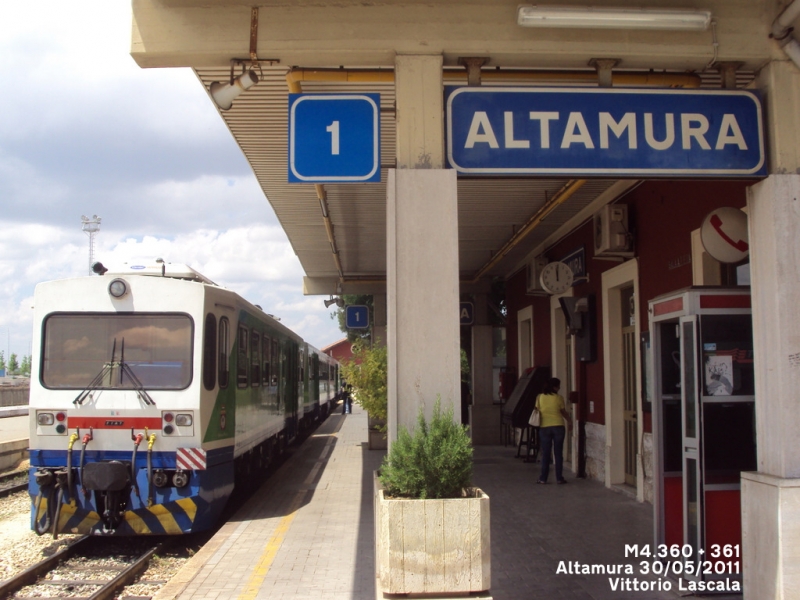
(552, 431)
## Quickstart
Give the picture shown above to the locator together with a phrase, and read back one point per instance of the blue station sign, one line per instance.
(356, 316)
(334, 138)
(602, 132)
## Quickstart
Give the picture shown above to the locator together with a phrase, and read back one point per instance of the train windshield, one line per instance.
(113, 351)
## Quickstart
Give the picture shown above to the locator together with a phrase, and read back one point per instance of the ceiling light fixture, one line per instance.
(613, 18)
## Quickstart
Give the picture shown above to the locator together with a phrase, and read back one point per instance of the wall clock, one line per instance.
(556, 277)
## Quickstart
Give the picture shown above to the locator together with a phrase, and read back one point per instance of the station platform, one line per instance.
(308, 532)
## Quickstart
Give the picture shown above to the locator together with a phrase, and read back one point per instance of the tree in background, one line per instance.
(366, 372)
(2, 360)
(13, 365)
(25, 366)
(354, 335)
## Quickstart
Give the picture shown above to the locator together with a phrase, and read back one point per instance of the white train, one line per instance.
(155, 393)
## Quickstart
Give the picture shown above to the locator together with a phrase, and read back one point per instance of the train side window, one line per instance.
(224, 357)
(210, 352)
(265, 348)
(275, 360)
(300, 368)
(255, 359)
(243, 360)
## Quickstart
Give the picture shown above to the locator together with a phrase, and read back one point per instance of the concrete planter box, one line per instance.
(432, 546)
(377, 439)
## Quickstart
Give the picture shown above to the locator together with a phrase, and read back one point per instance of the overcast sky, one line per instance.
(85, 131)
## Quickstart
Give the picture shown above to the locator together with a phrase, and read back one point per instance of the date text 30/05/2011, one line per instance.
(694, 572)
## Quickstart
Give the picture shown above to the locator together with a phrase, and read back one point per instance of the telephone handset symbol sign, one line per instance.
(716, 223)
(724, 235)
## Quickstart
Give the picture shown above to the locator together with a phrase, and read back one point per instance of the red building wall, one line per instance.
(662, 215)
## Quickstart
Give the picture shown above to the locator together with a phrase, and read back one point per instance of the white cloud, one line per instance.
(86, 131)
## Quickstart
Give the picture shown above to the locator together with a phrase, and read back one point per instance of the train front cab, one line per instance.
(704, 424)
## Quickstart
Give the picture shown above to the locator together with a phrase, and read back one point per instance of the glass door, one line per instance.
(690, 404)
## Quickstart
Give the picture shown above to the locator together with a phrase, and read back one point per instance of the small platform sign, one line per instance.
(466, 313)
(356, 316)
(334, 138)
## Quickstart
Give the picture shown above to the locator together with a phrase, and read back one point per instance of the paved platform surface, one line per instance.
(308, 533)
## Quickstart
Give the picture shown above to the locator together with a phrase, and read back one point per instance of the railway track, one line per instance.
(90, 568)
(13, 482)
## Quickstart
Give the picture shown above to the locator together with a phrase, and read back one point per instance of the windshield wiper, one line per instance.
(98, 379)
(124, 369)
(137, 384)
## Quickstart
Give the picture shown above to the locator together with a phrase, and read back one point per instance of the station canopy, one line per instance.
(341, 238)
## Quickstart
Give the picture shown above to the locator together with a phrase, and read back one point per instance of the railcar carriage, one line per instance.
(156, 393)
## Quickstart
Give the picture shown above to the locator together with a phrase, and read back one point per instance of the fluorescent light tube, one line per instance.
(613, 18)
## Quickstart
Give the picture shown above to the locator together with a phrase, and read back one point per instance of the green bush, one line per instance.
(366, 372)
(436, 462)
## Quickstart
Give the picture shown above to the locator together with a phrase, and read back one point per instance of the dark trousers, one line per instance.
(552, 439)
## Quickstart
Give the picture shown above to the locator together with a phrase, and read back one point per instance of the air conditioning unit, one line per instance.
(535, 267)
(611, 234)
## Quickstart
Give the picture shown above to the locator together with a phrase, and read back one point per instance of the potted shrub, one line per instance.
(432, 526)
(366, 373)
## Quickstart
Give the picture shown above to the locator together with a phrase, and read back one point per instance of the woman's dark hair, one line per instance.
(552, 386)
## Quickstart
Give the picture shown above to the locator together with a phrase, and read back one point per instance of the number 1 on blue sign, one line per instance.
(333, 129)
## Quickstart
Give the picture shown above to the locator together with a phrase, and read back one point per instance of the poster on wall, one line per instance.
(719, 375)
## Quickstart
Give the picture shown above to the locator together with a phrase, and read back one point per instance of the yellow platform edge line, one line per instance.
(261, 570)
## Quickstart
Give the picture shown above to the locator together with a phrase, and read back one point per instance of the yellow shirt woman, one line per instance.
(551, 406)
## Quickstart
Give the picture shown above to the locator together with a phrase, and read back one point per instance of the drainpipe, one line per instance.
(782, 31)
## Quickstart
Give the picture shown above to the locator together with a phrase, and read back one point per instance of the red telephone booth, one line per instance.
(703, 420)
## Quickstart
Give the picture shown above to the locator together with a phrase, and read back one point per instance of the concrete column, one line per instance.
(422, 286)
(419, 118)
(771, 496)
(379, 319)
(484, 414)
(422, 252)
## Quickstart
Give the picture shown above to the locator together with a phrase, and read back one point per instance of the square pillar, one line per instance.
(484, 419)
(422, 295)
(422, 252)
(771, 497)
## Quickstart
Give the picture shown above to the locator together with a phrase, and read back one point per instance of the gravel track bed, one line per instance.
(20, 548)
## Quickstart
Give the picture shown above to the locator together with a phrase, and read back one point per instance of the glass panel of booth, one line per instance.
(728, 398)
(689, 381)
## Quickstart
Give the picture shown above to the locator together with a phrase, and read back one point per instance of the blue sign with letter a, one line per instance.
(334, 138)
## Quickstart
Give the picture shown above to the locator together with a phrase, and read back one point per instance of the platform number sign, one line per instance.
(334, 138)
(356, 316)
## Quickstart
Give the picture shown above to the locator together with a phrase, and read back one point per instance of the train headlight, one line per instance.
(45, 419)
(168, 429)
(159, 478)
(118, 288)
(183, 420)
(180, 479)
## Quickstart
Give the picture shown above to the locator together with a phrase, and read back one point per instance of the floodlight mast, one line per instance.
(90, 227)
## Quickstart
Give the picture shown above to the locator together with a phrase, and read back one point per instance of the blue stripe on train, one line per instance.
(160, 460)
